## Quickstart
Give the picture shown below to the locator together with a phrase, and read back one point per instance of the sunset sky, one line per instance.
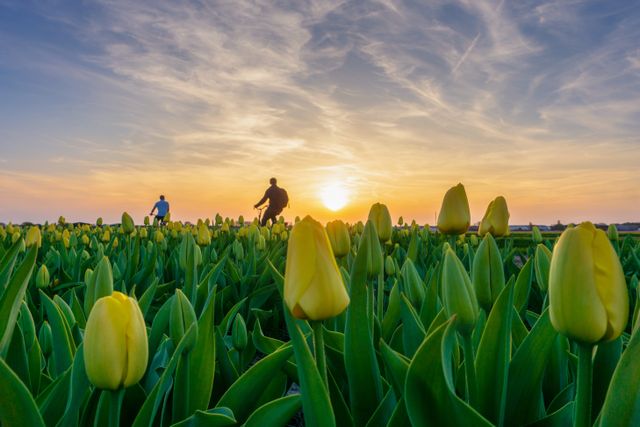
(104, 105)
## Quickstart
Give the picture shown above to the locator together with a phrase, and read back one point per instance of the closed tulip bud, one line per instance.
(459, 297)
(61, 220)
(100, 284)
(158, 237)
(181, 317)
(454, 216)
(15, 236)
(42, 277)
(115, 243)
(496, 219)
(375, 262)
(167, 217)
(389, 266)
(487, 273)
(338, 234)
(253, 232)
(588, 298)
(225, 227)
(127, 223)
(541, 264)
(284, 236)
(401, 221)
(239, 333)
(99, 222)
(115, 343)
(45, 338)
(106, 236)
(203, 238)
(34, 237)
(612, 232)
(313, 286)
(536, 235)
(379, 215)
(241, 220)
(473, 239)
(414, 287)
(261, 242)
(143, 233)
(237, 250)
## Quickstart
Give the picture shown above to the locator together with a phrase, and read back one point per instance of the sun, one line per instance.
(334, 196)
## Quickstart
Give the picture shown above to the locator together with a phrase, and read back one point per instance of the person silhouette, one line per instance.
(278, 200)
(163, 209)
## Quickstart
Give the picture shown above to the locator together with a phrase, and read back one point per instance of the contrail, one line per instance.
(466, 53)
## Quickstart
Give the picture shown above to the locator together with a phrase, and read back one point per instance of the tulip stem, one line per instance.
(470, 369)
(380, 301)
(115, 406)
(582, 414)
(321, 361)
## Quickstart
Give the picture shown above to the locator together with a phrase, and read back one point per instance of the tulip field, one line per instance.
(226, 323)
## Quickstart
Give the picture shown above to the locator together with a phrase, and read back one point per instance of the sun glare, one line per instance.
(334, 196)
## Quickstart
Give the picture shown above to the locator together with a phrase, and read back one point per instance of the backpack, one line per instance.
(284, 198)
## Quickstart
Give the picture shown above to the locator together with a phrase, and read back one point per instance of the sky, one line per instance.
(105, 105)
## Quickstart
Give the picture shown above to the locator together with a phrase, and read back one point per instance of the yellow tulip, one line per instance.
(313, 286)
(379, 215)
(115, 343)
(338, 234)
(496, 219)
(127, 223)
(588, 298)
(203, 237)
(34, 237)
(454, 216)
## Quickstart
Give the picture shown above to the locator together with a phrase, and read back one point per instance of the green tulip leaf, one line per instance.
(560, 418)
(384, 411)
(17, 407)
(621, 406)
(523, 286)
(276, 413)
(492, 358)
(526, 371)
(413, 331)
(216, 417)
(604, 364)
(63, 345)
(429, 391)
(396, 365)
(365, 385)
(80, 386)
(243, 394)
(12, 296)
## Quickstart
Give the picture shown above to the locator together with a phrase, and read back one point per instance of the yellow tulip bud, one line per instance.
(612, 232)
(106, 236)
(459, 297)
(313, 286)
(379, 215)
(454, 216)
(127, 223)
(261, 242)
(15, 236)
(496, 219)
(99, 222)
(115, 343)
(146, 220)
(203, 238)
(143, 233)
(61, 220)
(34, 237)
(338, 234)
(159, 237)
(588, 298)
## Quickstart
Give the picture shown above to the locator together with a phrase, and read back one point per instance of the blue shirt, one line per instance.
(162, 206)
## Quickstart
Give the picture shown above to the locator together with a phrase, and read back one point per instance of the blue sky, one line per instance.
(106, 104)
